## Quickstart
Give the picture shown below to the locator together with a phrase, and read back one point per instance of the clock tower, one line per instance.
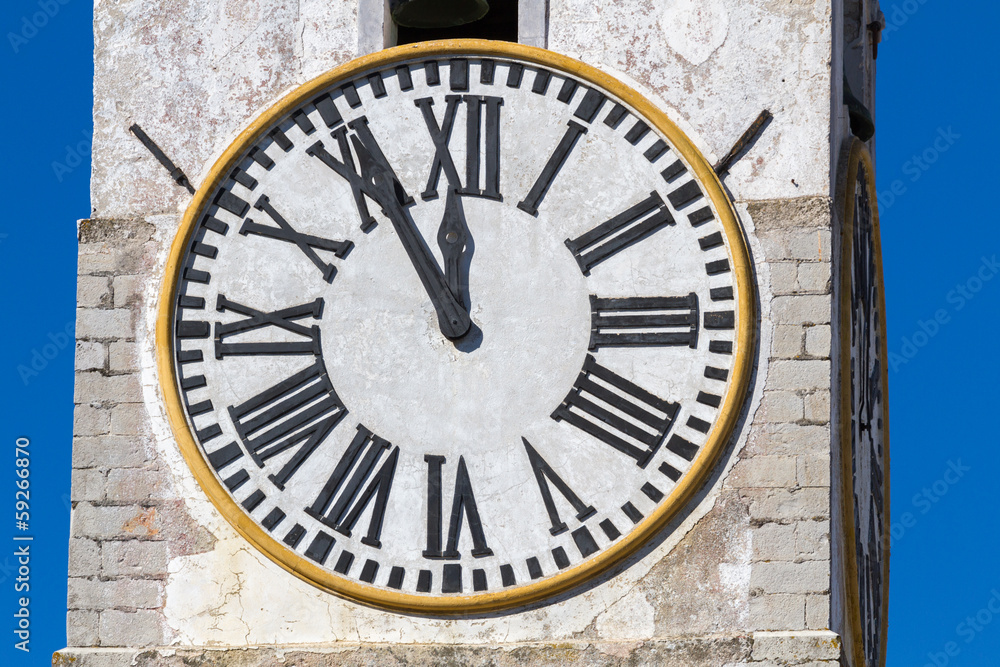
(553, 337)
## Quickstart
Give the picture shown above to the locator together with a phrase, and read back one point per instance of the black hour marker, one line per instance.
(479, 580)
(346, 485)
(700, 217)
(724, 319)
(698, 424)
(459, 74)
(638, 131)
(685, 194)
(451, 578)
(656, 151)
(719, 373)
(320, 547)
(709, 399)
(652, 492)
(610, 530)
(674, 170)
(541, 83)
(507, 576)
(631, 512)
(542, 471)
(299, 411)
(534, 568)
(628, 398)
(344, 563)
(328, 110)
(273, 518)
(377, 85)
(424, 581)
(487, 68)
(255, 319)
(682, 447)
(720, 347)
(404, 78)
(584, 541)
(590, 105)
(253, 500)
(187, 357)
(721, 293)
(223, 456)
(566, 91)
(514, 75)
(432, 73)
(192, 329)
(717, 267)
(294, 536)
(463, 505)
(615, 116)
(208, 433)
(552, 167)
(632, 225)
(281, 139)
(642, 321)
(710, 241)
(478, 153)
(305, 242)
(345, 167)
(244, 179)
(671, 472)
(560, 558)
(368, 571)
(230, 202)
(351, 95)
(235, 481)
(302, 120)
(396, 575)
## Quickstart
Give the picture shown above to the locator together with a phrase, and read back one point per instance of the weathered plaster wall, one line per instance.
(742, 578)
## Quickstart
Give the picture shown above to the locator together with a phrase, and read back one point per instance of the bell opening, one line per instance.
(449, 19)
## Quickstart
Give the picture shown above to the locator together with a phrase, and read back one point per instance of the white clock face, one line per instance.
(456, 326)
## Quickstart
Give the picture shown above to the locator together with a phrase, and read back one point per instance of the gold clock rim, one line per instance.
(571, 577)
(857, 154)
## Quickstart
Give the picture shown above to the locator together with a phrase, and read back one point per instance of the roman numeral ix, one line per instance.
(307, 243)
(299, 411)
(644, 321)
(649, 416)
(344, 496)
(463, 505)
(256, 319)
(477, 152)
(631, 226)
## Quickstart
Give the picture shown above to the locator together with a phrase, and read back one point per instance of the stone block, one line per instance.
(81, 629)
(812, 540)
(799, 374)
(88, 420)
(115, 522)
(92, 387)
(813, 471)
(817, 407)
(93, 292)
(787, 341)
(818, 341)
(777, 612)
(818, 612)
(135, 558)
(84, 557)
(774, 541)
(781, 406)
(129, 419)
(138, 484)
(783, 577)
(89, 355)
(788, 505)
(127, 290)
(796, 647)
(801, 309)
(87, 484)
(134, 628)
(103, 323)
(790, 213)
(763, 471)
(109, 451)
(114, 594)
(123, 356)
(783, 275)
(814, 277)
(793, 439)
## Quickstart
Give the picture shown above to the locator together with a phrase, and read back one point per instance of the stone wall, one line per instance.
(743, 577)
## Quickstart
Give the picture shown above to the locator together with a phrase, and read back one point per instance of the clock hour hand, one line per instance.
(381, 185)
(453, 237)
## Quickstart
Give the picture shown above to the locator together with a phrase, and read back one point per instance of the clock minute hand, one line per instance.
(453, 240)
(381, 185)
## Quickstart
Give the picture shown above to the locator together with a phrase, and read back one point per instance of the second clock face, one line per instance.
(458, 327)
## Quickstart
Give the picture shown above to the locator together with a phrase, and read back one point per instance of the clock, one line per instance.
(456, 327)
(864, 409)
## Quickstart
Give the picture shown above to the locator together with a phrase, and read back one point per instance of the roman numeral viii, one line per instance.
(297, 412)
(644, 321)
(345, 496)
(480, 156)
(285, 319)
(631, 226)
(649, 417)
(463, 505)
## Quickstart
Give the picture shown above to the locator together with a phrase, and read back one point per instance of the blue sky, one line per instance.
(937, 136)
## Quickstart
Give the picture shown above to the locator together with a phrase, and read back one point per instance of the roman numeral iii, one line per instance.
(344, 496)
(644, 321)
(631, 226)
(463, 505)
(639, 436)
(297, 412)
(285, 319)
(480, 156)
